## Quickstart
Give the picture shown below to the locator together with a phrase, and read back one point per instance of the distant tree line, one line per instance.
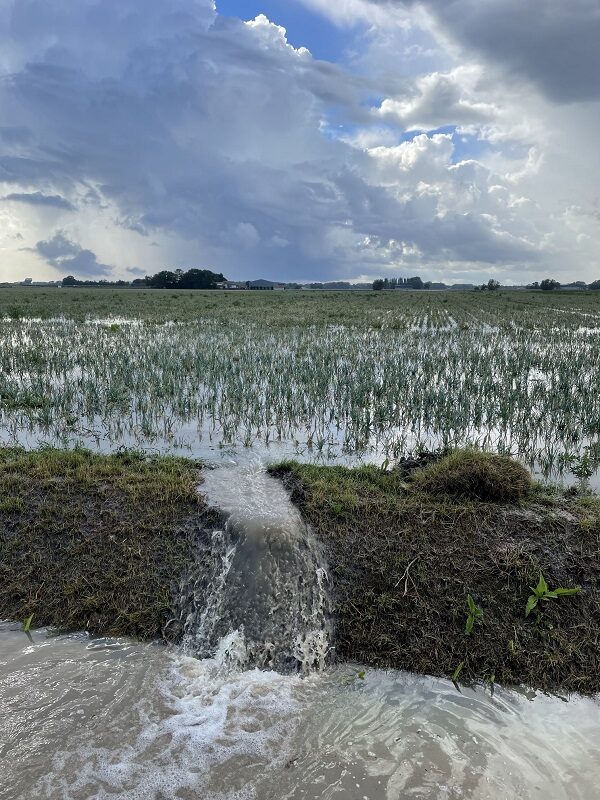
(491, 286)
(383, 284)
(177, 279)
(71, 281)
(206, 279)
(191, 279)
(549, 284)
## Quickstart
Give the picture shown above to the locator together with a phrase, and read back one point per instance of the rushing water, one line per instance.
(113, 720)
(262, 595)
(85, 718)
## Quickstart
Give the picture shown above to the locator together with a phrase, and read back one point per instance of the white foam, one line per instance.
(205, 720)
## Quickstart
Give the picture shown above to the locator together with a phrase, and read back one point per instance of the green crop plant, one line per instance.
(474, 614)
(394, 372)
(457, 672)
(585, 465)
(541, 593)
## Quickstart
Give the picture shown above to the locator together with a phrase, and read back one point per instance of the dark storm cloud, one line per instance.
(71, 258)
(14, 135)
(554, 43)
(40, 199)
(217, 138)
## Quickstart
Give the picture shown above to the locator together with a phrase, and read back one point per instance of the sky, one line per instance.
(300, 140)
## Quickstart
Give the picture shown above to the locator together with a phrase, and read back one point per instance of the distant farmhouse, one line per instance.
(262, 286)
(232, 285)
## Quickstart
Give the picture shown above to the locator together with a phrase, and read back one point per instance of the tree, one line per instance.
(70, 280)
(192, 279)
(199, 279)
(548, 284)
(415, 283)
(162, 280)
(492, 285)
(378, 285)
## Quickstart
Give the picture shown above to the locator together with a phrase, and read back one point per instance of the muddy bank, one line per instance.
(105, 543)
(404, 558)
(96, 543)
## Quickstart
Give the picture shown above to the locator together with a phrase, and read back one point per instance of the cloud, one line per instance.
(176, 136)
(440, 99)
(440, 210)
(70, 258)
(198, 130)
(14, 135)
(553, 43)
(245, 235)
(40, 199)
(348, 13)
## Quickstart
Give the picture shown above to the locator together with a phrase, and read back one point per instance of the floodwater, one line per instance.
(262, 587)
(83, 718)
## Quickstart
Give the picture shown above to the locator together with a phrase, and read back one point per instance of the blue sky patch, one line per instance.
(304, 28)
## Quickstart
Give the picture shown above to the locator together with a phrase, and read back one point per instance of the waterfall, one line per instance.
(257, 596)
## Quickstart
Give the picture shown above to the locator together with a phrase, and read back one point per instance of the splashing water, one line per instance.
(258, 593)
(115, 720)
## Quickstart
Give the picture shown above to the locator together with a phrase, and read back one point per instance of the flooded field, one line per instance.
(253, 705)
(84, 718)
(368, 383)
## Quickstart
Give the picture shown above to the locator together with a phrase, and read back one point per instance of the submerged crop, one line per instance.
(510, 374)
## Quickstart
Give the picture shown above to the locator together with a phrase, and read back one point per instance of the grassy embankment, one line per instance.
(100, 543)
(406, 550)
(95, 543)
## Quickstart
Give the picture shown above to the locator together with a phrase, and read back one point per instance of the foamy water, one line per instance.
(259, 588)
(83, 718)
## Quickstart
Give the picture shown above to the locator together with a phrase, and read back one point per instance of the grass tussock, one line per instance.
(475, 475)
(430, 582)
(90, 542)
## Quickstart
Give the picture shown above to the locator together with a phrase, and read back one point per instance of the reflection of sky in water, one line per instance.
(335, 394)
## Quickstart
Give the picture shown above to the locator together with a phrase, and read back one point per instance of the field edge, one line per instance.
(403, 564)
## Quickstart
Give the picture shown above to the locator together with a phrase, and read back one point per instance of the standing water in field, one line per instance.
(258, 592)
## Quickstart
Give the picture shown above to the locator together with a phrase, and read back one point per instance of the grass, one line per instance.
(404, 562)
(421, 581)
(95, 543)
(476, 475)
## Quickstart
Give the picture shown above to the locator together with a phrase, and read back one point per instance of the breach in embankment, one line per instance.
(429, 569)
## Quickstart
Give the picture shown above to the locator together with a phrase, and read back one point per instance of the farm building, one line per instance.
(262, 285)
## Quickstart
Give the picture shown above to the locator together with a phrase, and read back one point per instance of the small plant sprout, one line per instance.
(457, 672)
(584, 467)
(541, 592)
(475, 613)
